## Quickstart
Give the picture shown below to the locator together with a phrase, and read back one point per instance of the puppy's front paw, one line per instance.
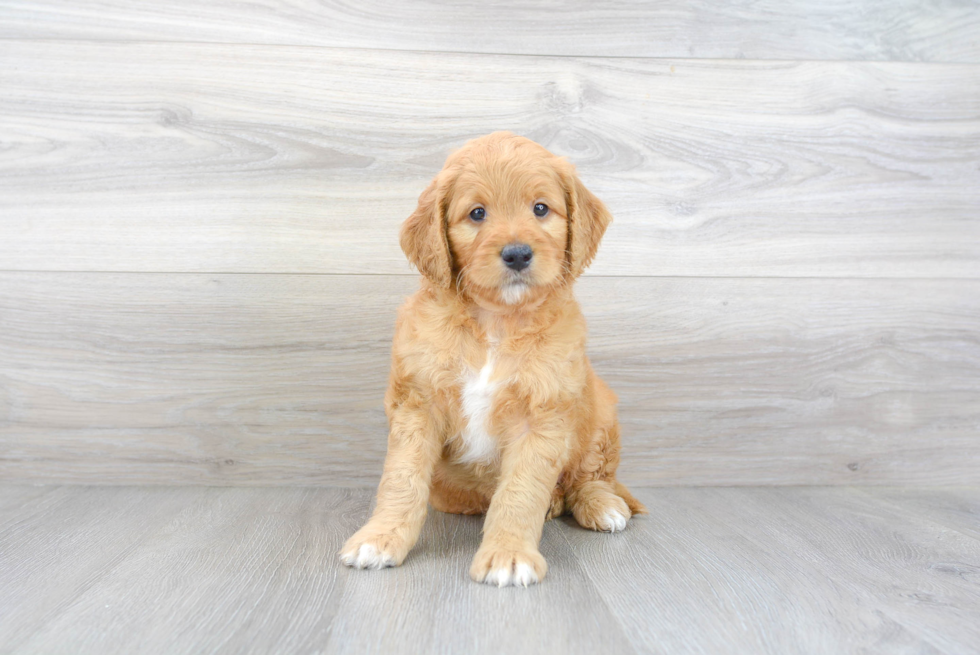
(508, 567)
(373, 549)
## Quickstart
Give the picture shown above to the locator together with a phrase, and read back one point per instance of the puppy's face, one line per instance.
(505, 221)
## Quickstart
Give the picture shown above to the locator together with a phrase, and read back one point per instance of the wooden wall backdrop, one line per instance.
(199, 205)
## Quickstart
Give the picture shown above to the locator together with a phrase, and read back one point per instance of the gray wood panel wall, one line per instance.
(199, 207)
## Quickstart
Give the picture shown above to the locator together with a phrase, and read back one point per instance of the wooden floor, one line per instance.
(710, 570)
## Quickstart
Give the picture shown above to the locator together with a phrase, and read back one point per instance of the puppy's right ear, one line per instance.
(423, 236)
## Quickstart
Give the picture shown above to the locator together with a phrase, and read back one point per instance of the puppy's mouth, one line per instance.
(513, 290)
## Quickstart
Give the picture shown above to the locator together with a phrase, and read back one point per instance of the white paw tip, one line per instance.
(614, 521)
(524, 575)
(521, 576)
(367, 557)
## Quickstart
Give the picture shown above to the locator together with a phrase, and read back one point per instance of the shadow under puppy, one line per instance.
(492, 404)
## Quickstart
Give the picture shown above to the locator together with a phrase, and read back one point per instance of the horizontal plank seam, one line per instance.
(414, 275)
(8, 39)
(864, 488)
(48, 481)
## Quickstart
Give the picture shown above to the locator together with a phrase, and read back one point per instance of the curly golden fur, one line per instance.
(492, 403)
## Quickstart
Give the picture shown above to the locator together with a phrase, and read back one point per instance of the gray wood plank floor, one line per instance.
(718, 570)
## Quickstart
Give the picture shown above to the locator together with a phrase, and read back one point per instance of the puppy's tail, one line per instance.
(636, 507)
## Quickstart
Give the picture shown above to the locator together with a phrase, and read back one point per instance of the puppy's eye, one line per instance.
(478, 214)
(540, 209)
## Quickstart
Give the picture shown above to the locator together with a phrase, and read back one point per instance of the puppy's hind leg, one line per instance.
(557, 507)
(597, 500)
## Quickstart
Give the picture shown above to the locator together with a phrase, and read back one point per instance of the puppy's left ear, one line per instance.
(588, 219)
(423, 234)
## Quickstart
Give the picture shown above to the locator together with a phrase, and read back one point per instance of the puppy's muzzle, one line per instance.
(517, 256)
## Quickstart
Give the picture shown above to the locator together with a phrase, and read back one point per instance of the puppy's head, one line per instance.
(505, 220)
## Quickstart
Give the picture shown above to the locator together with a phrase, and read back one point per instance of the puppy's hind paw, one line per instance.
(614, 520)
(602, 511)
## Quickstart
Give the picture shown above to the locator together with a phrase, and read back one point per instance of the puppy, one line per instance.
(492, 404)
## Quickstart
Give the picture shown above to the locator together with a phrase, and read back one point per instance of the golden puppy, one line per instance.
(492, 403)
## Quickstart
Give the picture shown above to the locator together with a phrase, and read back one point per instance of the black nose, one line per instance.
(517, 256)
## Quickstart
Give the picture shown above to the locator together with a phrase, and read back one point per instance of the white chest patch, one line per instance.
(478, 391)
